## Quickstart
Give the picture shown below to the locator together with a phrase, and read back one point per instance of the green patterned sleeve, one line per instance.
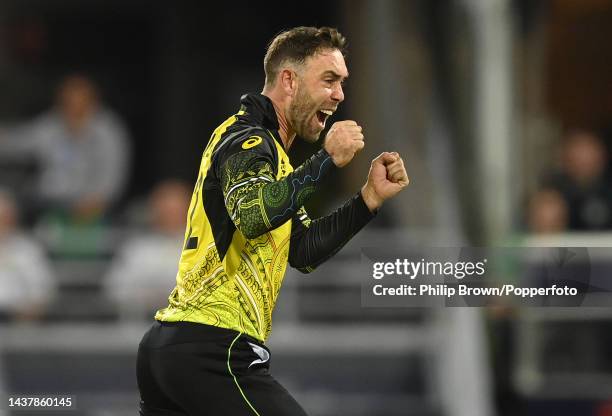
(255, 200)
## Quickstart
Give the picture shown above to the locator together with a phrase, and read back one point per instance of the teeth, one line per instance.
(327, 112)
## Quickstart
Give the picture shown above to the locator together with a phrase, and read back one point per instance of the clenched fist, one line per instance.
(386, 179)
(344, 139)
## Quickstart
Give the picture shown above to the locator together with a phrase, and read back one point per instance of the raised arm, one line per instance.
(255, 200)
(313, 242)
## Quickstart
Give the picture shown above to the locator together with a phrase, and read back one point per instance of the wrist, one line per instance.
(371, 199)
(331, 155)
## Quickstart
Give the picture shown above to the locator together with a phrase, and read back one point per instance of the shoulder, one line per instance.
(107, 120)
(46, 126)
(244, 137)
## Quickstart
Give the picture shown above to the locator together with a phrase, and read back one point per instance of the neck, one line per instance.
(286, 132)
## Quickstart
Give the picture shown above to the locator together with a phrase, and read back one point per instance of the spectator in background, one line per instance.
(547, 212)
(82, 149)
(26, 281)
(584, 182)
(140, 277)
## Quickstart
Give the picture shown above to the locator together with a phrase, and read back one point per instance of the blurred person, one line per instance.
(26, 281)
(547, 212)
(584, 182)
(82, 149)
(206, 354)
(138, 278)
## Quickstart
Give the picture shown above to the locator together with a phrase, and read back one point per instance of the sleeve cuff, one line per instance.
(361, 208)
(322, 155)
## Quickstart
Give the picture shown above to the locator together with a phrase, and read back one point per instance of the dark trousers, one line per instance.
(193, 369)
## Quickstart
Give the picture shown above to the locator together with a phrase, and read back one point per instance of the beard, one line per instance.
(301, 113)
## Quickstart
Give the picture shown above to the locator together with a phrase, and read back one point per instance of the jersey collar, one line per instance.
(260, 108)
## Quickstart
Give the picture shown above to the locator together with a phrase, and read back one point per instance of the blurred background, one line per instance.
(502, 110)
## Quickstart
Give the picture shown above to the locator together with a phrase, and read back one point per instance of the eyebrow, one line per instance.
(334, 74)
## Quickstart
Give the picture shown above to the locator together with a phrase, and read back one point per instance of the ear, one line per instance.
(288, 81)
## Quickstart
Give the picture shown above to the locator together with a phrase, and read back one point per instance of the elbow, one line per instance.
(299, 258)
(300, 266)
(253, 229)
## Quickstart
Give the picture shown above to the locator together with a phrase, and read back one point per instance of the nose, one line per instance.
(337, 93)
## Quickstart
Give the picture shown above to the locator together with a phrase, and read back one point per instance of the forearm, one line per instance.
(258, 203)
(326, 236)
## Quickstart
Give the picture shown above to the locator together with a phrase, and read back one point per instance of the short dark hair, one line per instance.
(299, 43)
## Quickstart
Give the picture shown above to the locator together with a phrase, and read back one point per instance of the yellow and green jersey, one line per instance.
(246, 221)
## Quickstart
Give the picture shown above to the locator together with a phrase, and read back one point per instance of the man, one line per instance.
(584, 182)
(246, 221)
(27, 283)
(83, 151)
(149, 257)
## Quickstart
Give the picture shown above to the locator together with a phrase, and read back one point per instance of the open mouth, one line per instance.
(322, 116)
